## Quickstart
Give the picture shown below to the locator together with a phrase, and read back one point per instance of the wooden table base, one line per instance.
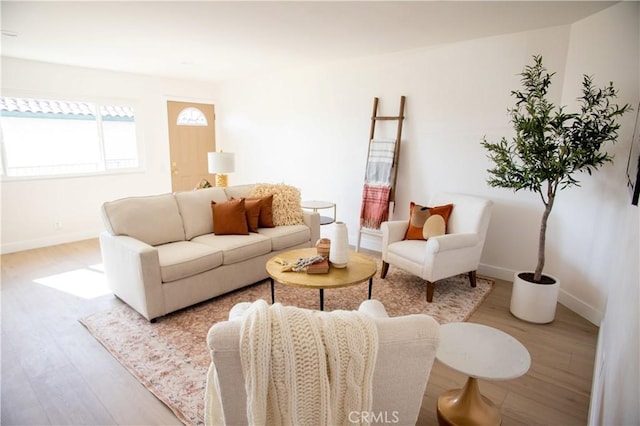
(467, 406)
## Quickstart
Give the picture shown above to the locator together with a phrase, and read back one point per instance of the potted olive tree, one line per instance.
(550, 148)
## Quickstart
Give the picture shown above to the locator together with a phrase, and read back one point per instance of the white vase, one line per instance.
(534, 302)
(339, 254)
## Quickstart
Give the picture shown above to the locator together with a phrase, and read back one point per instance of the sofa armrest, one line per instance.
(373, 308)
(407, 347)
(132, 270)
(225, 396)
(451, 242)
(238, 310)
(312, 220)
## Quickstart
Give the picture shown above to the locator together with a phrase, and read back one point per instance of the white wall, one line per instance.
(606, 47)
(30, 208)
(616, 378)
(315, 122)
(616, 385)
(313, 125)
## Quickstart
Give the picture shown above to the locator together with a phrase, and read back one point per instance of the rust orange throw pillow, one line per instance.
(229, 218)
(265, 220)
(252, 208)
(418, 215)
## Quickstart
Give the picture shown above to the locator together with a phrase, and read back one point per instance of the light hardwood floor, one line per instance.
(55, 372)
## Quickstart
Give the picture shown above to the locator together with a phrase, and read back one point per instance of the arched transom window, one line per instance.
(191, 117)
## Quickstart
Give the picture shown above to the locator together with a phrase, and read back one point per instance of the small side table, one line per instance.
(321, 205)
(480, 352)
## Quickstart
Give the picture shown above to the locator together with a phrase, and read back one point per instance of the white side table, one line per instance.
(321, 205)
(480, 352)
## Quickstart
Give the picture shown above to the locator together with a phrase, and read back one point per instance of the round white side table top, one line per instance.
(315, 204)
(482, 352)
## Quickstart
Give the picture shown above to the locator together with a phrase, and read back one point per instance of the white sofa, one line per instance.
(160, 254)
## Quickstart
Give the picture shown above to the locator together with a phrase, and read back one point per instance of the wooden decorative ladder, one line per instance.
(375, 118)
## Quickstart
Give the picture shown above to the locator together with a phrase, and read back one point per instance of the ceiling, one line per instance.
(215, 40)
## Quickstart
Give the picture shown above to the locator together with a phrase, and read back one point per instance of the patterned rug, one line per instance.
(171, 359)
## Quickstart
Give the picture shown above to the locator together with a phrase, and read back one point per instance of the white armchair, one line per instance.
(443, 256)
(406, 351)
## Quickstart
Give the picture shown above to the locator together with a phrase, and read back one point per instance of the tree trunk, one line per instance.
(537, 275)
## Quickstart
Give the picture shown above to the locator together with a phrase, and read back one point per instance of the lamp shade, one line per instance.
(221, 162)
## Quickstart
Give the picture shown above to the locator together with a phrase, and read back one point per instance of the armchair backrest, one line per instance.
(406, 350)
(470, 214)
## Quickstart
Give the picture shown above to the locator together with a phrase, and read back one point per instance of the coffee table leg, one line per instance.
(370, 285)
(273, 294)
(322, 299)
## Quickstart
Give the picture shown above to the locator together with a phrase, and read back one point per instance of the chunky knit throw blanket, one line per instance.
(304, 367)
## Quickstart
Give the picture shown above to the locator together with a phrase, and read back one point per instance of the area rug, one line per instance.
(170, 357)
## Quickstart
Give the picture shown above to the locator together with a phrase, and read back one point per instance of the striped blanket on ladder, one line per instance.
(377, 186)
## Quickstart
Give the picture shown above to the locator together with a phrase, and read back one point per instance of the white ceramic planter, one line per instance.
(534, 302)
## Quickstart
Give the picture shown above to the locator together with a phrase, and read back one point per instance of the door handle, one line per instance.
(174, 168)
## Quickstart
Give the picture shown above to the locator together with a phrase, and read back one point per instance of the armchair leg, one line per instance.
(472, 278)
(384, 269)
(430, 288)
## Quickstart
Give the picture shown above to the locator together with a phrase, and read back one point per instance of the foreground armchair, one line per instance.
(456, 252)
(405, 353)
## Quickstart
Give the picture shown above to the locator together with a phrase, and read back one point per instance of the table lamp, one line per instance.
(221, 163)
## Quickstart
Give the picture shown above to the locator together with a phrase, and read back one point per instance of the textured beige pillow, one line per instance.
(286, 202)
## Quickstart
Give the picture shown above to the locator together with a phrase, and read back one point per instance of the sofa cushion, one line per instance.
(236, 248)
(411, 251)
(183, 259)
(238, 191)
(153, 220)
(195, 209)
(230, 218)
(283, 237)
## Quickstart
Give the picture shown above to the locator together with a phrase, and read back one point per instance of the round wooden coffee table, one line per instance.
(359, 269)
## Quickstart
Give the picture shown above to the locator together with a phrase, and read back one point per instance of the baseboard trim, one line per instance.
(47, 241)
(581, 308)
(566, 299)
(496, 272)
(368, 241)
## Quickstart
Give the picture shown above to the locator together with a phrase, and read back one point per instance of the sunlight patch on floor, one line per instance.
(85, 283)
